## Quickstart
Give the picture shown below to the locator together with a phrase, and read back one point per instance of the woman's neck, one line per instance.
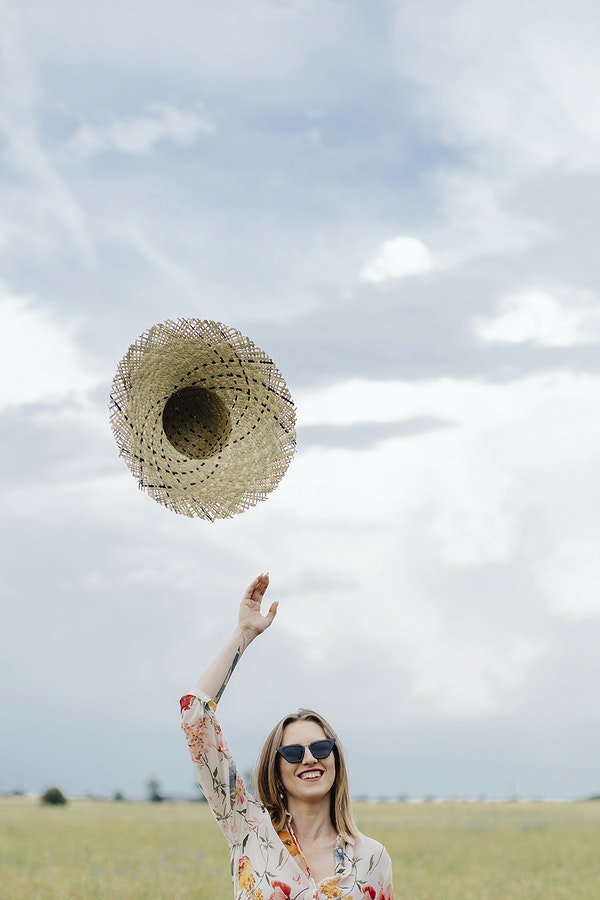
(312, 821)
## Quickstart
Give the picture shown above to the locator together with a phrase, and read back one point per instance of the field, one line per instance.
(173, 851)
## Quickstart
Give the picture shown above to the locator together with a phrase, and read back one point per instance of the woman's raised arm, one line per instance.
(251, 623)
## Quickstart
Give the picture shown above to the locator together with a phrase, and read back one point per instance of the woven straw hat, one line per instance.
(202, 417)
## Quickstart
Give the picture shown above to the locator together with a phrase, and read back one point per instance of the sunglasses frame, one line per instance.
(303, 747)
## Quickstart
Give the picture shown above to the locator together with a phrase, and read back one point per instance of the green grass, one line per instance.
(164, 851)
(509, 851)
(91, 849)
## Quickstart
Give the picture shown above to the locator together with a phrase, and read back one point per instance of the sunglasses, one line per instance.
(294, 753)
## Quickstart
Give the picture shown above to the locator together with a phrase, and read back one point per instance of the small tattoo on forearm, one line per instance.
(234, 663)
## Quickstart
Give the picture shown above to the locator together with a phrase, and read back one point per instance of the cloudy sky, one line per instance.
(399, 202)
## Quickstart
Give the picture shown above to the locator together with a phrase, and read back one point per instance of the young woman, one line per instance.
(298, 841)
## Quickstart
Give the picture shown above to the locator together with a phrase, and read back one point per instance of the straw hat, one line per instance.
(202, 417)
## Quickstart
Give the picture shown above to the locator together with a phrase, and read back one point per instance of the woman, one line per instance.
(300, 840)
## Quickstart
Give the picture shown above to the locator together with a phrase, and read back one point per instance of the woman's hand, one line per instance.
(250, 620)
(251, 623)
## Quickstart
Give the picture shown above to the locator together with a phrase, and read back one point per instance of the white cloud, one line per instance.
(469, 677)
(507, 80)
(477, 217)
(387, 614)
(456, 473)
(570, 578)
(39, 358)
(515, 97)
(140, 134)
(397, 258)
(416, 521)
(39, 206)
(559, 319)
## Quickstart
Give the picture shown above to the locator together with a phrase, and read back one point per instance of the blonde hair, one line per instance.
(268, 782)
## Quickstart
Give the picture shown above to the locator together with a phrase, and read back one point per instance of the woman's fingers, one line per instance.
(258, 587)
(272, 611)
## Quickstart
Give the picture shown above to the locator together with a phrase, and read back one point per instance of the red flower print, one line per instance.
(386, 894)
(282, 891)
(369, 892)
(186, 702)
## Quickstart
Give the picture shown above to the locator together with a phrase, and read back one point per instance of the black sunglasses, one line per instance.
(294, 753)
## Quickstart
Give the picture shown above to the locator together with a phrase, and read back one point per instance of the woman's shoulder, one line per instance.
(368, 846)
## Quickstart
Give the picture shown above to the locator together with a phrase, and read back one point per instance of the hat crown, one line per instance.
(196, 422)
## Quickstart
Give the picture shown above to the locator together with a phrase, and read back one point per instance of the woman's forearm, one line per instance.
(214, 679)
(251, 623)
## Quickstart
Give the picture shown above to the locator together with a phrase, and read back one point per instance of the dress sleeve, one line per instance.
(235, 811)
(385, 889)
(386, 877)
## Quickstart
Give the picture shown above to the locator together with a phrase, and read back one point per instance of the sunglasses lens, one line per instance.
(321, 749)
(293, 753)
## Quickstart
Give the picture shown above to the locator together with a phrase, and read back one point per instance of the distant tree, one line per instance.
(118, 795)
(53, 796)
(154, 794)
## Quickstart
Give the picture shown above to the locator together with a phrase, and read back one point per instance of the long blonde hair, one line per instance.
(268, 782)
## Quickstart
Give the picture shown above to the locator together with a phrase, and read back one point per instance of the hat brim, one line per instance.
(232, 465)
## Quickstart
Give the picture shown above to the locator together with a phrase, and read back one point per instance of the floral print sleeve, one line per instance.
(266, 865)
(215, 771)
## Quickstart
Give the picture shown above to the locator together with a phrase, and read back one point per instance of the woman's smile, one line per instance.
(311, 775)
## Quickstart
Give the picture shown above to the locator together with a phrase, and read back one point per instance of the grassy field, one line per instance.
(165, 851)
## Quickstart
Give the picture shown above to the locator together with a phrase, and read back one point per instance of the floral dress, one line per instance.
(265, 864)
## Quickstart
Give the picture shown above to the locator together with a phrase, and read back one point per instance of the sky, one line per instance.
(398, 202)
